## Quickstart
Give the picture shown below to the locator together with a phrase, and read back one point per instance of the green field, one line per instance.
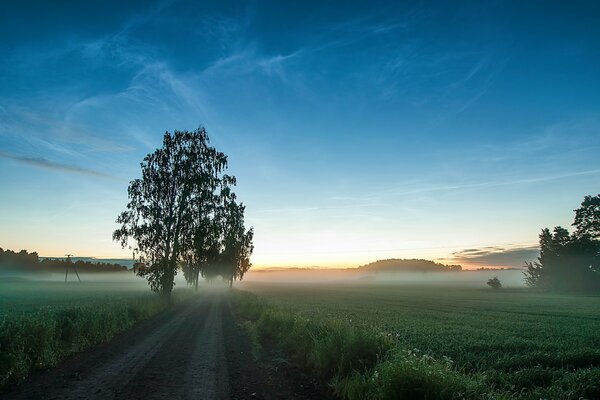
(506, 343)
(23, 296)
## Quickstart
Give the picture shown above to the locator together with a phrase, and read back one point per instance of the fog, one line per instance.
(127, 279)
(508, 277)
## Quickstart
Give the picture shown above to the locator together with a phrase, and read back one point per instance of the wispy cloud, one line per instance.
(475, 185)
(497, 256)
(55, 130)
(247, 57)
(41, 162)
(248, 60)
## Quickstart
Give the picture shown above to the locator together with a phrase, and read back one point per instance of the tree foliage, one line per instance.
(587, 217)
(569, 261)
(174, 212)
(494, 283)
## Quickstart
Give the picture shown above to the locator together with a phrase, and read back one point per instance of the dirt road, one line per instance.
(196, 351)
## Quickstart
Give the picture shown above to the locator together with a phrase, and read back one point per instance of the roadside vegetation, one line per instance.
(432, 342)
(41, 323)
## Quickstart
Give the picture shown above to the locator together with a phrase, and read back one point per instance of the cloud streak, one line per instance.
(41, 162)
(497, 256)
(369, 198)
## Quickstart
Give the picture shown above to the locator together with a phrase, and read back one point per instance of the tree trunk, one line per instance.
(166, 294)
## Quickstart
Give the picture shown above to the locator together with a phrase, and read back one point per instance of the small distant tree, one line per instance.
(494, 283)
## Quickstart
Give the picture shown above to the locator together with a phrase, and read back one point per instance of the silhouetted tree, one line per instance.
(179, 214)
(587, 217)
(494, 283)
(163, 204)
(202, 250)
(237, 243)
(223, 246)
(566, 262)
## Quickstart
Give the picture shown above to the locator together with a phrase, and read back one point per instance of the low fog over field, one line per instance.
(508, 277)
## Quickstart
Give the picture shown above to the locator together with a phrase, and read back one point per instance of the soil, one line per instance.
(196, 350)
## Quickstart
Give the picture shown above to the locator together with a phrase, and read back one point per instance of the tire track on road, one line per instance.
(206, 377)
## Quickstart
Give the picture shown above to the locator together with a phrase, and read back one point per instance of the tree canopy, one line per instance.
(587, 217)
(179, 213)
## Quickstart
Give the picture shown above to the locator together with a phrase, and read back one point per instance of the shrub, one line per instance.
(494, 283)
(411, 375)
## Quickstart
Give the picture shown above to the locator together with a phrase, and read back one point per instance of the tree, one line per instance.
(567, 261)
(570, 261)
(235, 243)
(198, 255)
(221, 247)
(164, 203)
(494, 283)
(203, 251)
(587, 217)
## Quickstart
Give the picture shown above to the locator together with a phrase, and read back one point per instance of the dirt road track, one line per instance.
(196, 351)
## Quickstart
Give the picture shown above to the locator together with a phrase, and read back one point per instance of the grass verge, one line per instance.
(42, 338)
(358, 363)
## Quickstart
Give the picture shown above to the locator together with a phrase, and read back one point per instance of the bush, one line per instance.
(412, 375)
(494, 283)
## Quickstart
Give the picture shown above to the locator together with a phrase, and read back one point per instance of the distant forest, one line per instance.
(413, 265)
(24, 262)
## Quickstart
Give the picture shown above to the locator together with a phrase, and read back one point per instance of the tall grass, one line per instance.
(40, 339)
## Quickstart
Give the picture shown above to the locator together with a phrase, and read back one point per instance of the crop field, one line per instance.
(23, 296)
(43, 322)
(432, 341)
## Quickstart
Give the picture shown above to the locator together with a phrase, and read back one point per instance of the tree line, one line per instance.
(403, 265)
(24, 262)
(570, 261)
(184, 215)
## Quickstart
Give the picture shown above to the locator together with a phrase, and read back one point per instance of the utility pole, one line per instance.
(67, 267)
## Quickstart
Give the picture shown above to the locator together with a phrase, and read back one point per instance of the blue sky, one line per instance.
(357, 130)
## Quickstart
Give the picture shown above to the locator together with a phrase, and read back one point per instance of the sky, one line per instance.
(357, 130)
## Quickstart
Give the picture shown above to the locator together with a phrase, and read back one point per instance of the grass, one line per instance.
(435, 342)
(43, 322)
